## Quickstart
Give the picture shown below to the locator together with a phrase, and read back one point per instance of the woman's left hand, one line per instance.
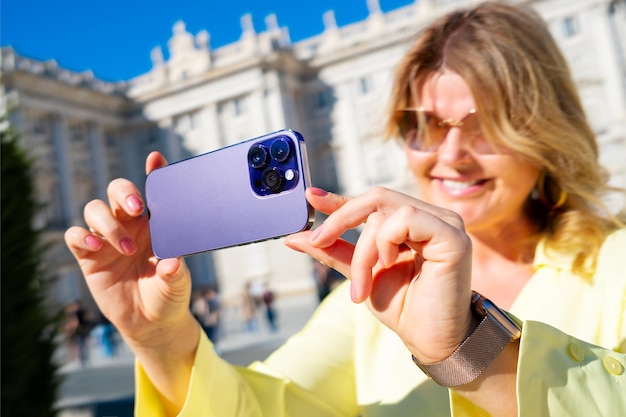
(411, 264)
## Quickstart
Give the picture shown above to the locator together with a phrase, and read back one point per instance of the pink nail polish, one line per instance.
(318, 192)
(127, 245)
(93, 242)
(134, 203)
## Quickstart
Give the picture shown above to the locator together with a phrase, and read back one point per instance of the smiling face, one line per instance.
(488, 189)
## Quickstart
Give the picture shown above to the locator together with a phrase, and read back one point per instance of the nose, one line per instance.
(454, 149)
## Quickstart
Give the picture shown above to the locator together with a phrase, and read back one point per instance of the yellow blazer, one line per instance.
(344, 363)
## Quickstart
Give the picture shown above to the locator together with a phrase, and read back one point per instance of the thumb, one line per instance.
(154, 161)
(175, 274)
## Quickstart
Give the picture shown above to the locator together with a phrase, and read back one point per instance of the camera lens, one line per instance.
(257, 156)
(280, 150)
(272, 179)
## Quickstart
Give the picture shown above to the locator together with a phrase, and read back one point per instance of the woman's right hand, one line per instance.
(147, 299)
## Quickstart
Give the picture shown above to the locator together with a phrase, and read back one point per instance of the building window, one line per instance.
(365, 85)
(77, 133)
(153, 136)
(39, 125)
(571, 26)
(239, 107)
(182, 123)
(325, 98)
(195, 120)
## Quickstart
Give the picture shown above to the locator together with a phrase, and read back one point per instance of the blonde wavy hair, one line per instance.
(527, 102)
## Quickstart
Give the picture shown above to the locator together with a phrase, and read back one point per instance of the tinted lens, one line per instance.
(425, 132)
(407, 124)
(419, 130)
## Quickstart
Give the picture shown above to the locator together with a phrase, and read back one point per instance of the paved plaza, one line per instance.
(104, 387)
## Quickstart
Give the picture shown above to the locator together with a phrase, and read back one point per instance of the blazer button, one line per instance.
(613, 366)
(576, 352)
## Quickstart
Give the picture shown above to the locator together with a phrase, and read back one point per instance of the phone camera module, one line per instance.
(273, 165)
(272, 179)
(257, 156)
(280, 150)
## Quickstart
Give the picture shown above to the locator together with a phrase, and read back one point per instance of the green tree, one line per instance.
(29, 375)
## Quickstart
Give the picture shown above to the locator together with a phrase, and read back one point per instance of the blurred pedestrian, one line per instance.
(248, 309)
(108, 337)
(326, 279)
(270, 311)
(213, 318)
(200, 309)
(320, 275)
(79, 324)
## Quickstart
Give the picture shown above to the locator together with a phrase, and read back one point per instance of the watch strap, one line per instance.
(472, 356)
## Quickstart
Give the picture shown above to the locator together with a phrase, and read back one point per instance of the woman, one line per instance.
(510, 207)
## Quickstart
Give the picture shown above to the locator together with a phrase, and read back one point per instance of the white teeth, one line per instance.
(459, 185)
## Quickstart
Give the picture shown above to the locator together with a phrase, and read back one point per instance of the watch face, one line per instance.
(484, 307)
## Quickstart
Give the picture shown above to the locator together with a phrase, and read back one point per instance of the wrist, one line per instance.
(494, 332)
(430, 354)
(168, 364)
(169, 341)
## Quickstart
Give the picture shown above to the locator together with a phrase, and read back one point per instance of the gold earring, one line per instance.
(541, 183)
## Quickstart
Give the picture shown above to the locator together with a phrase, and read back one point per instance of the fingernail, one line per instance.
(127, 245)
(318, 192)
(134, 203)
(173, 272)
(93, 242)
(316, 233)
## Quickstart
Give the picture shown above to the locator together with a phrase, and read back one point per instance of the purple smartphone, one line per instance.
(243, 193)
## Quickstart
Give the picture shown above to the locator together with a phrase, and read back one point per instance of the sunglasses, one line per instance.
(422, 131)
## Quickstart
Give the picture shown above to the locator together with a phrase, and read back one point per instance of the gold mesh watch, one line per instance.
(494, 331)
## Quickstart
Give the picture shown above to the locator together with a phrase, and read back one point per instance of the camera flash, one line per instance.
(290, 174)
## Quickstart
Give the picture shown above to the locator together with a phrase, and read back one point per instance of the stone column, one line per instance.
(607, 48)
(64, 167)
(210, 137)
(259, 108)
(170, 141)
(350, 164)
(99, 158)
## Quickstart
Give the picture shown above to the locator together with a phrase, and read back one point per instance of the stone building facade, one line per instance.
(332, 87)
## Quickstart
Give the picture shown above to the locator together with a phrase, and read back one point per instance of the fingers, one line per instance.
(392, 223)
(337, 256)
(107, 222)
(154, 161)
(323, 201)
(81, 242)
(104, 224)
(125, 200)
(366, 256)
(421, 231)
(174, 272)
(354, 212)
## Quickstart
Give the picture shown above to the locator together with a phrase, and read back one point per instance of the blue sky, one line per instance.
(114, 38)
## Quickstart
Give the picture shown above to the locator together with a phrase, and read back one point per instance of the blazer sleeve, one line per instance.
(559, 375)
(303, 378)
